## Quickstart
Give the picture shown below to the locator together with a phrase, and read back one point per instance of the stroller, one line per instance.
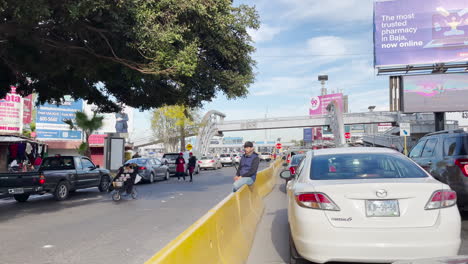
(120, 185)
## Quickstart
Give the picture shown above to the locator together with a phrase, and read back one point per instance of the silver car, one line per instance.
(209, 162)
(151, 169)
(226, 159)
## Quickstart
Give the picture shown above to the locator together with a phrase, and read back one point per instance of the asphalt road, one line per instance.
(91, 228)
(271, 244)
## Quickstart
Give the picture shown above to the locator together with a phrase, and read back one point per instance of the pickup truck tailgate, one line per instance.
(19, 179)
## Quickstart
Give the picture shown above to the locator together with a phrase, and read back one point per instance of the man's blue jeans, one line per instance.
(241, 182)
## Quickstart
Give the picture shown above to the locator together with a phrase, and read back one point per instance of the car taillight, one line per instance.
(316, 201)
(200, 161)
(41, 179)
(463, 165)
(212, 161)
(442, 199)
(292, 170)
(142, 168)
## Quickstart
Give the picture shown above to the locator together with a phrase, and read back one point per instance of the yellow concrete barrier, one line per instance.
(225, 234)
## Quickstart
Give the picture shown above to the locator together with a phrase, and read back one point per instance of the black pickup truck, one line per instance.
(57, 175)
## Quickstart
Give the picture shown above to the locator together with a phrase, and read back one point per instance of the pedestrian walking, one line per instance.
(180, 166)
(247, 171)
(192, 164)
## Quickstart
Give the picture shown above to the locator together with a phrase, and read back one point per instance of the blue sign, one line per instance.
(50, 120)
(57, 134)
(308, 135)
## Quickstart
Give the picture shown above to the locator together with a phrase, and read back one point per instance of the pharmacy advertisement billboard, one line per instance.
(410, 32)
(50, 120)
(318, 104)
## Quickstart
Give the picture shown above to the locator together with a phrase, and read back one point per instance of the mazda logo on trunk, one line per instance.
(381, 193)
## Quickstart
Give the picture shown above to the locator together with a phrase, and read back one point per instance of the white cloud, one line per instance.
(327, 45)
(264, 33)
(333, 11)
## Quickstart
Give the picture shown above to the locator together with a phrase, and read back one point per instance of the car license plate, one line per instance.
(382, 208)
(16, 191)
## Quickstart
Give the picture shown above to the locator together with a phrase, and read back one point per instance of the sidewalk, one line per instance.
(271, 244)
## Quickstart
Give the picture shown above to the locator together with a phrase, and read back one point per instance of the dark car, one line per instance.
(170, 158)
(444, 155)
(151, 169)
(295, 161)
(58, 175)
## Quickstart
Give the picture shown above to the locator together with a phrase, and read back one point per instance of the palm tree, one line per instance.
(88, 126)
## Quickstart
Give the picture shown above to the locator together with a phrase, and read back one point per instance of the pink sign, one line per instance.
(27, 109)
(318, 104)
(11, 116)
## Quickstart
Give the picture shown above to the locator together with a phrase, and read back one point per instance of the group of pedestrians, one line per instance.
(180, 166)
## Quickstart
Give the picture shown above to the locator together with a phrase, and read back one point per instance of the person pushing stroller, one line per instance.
(124, 181)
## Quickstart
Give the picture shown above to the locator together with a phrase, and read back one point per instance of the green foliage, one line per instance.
(172, 124)
(144, 53)
(88, 126)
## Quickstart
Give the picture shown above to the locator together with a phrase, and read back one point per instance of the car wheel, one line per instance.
(167, 175)
(105, 183)
(61, 191)
(21, 197)
(222, 165)
(151, 180)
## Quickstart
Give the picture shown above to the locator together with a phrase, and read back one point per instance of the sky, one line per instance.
(297, 41)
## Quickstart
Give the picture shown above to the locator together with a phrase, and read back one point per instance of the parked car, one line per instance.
(444, 155)
(209, 162)
(237, 158)
(151, 169)
(58, 175)
(170, 158)
(226, 159)
(368, 205)
(295, 161)
(264, 156)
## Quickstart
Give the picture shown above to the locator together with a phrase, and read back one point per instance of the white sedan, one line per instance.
(369, 205)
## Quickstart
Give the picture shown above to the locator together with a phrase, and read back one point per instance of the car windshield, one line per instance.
(297, 159)
(363, 166)
(137, 161)
(171, 156)
(58, 163)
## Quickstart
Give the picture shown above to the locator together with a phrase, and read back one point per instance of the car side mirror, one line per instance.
(286, 174)
(285, 164)
(97, 166)
(284, 158)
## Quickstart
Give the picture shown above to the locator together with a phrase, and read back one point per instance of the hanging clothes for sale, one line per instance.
(13, 148)
(29, 148)
(21, 151)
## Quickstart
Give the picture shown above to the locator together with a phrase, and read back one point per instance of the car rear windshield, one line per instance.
(58, 163)
(207, 158)
(364, 166)
(171, 156)
(264, 153)
(464, 146)
(297, 159)
(137, 161)
(225, 156)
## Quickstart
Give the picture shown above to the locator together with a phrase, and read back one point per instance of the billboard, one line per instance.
(408, 32)
(308, 135)
(11, 113)
(50, 117)
(27, 109)
(435, 93)
(318, 104)
(114, 122)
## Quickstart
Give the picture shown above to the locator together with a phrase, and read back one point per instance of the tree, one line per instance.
(142, 53)
(88, 126)
(172, 124)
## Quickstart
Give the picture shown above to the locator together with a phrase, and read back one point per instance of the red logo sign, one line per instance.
(279, 145)
(347, 135)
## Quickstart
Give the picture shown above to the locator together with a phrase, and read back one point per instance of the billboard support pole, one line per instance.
(439, 118)
(406, 147)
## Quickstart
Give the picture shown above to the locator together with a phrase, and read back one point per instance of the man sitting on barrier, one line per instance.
(247, 171)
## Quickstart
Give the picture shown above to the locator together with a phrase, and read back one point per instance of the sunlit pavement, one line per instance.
(91, 228)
